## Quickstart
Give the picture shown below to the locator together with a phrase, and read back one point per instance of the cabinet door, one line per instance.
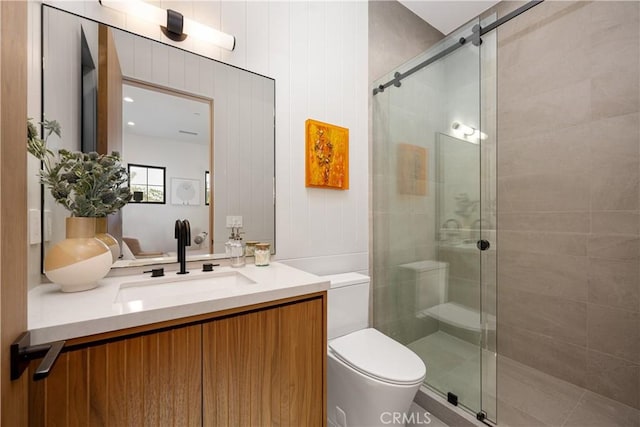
(265, 367)
(152, 379)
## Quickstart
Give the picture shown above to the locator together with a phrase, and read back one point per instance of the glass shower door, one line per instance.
(431, 216)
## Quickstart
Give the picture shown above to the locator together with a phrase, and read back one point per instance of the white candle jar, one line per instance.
(262, 254)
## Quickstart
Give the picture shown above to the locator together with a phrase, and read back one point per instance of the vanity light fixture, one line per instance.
(468, 131)
(172, 23)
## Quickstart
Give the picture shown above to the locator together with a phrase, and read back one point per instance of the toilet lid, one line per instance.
(375, 354)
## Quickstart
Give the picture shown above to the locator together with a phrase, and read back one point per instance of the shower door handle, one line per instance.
(483, 245)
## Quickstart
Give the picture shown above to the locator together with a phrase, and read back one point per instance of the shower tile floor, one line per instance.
(528, 397)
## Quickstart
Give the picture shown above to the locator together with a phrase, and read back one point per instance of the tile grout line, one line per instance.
(566, 420)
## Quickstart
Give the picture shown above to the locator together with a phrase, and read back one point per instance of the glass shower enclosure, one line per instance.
(434, 214)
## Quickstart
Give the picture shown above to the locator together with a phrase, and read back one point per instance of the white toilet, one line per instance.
(370, 377)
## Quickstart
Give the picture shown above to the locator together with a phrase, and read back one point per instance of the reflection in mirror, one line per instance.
(458, 163)
(166, 142)
(147, 183)
(88, 96)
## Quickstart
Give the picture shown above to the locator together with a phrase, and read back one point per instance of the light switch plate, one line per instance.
(35, 233)
(234, 221)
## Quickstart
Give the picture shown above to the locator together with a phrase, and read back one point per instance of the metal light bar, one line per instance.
(203, 32)
(148, 12)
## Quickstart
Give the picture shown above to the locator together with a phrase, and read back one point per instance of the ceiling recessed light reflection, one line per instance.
(127, 99)
(131, 123)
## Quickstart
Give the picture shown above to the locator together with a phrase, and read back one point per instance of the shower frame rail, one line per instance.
(475, 38)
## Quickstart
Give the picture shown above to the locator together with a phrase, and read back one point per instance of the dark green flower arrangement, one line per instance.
(88, 185)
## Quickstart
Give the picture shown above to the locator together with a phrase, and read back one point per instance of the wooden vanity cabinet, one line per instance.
(255, 366)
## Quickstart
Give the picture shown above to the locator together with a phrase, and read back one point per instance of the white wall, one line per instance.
(183, 160)
(317, 52)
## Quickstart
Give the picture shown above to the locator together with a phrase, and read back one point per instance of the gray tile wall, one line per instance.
(395, 35)
(569, 194)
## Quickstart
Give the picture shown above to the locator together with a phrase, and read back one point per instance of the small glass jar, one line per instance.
(262, 254)
(237, 254)
(250, 247)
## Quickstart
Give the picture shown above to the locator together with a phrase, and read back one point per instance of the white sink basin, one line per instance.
(175, 290)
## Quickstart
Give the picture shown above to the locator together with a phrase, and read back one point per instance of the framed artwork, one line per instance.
(412, 170)
(185, 192)
(326, 155)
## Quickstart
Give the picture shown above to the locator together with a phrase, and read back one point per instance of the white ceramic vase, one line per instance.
(106, 238)
(79, 261)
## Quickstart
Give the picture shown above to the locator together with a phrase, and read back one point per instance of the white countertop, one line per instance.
(54, 315)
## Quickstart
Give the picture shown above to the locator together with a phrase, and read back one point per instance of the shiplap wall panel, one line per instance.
(222, 134)
(300, 224)
(279, 18)
(160, 65)
(317, 56)
(206, 75)
(321, 230)
(245, 154)
(232, 87)
(176, 69)
(356, 228)
(316, 68)
(257, 36)
(192, 74)
(334, 58)
(267, 212)
(143, 58)
(233, 15)
(127, 56)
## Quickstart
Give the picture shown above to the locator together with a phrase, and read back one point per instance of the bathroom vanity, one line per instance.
(245, 352)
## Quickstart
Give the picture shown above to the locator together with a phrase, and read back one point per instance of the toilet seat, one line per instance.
(376, 355)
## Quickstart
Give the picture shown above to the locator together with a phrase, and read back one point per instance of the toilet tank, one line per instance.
(426, 282)
(348, 304)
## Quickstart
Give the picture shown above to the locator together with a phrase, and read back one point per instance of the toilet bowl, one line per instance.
(371, 378)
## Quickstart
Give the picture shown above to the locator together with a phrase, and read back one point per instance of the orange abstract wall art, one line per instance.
(327, 155)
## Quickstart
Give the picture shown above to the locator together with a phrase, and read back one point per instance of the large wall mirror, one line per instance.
(197, 135)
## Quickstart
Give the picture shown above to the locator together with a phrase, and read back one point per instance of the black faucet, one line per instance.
(183, 234)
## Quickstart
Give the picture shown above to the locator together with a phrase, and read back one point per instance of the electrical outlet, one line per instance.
(234, 221)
